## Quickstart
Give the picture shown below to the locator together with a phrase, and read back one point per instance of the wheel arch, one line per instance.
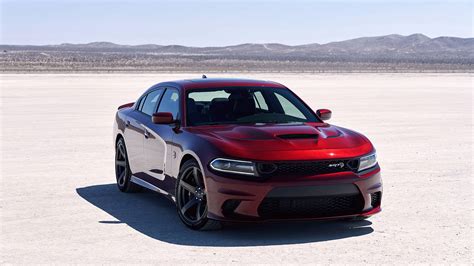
(186, 157)
(190, 155)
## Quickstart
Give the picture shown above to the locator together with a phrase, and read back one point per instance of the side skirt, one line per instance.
(152, 187)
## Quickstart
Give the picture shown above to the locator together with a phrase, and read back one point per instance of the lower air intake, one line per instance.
(375, 199)
(311, 207)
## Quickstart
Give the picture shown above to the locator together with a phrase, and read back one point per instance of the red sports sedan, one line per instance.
(243, 150)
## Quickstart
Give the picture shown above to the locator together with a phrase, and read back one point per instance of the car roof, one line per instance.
(205, 83)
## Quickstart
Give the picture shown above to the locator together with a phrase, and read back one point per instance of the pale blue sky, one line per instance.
(216, 23)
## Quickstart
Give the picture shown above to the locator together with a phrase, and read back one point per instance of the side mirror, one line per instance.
(324, 114)
(162, 118)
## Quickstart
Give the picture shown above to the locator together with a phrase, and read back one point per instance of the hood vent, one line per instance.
(298, 136)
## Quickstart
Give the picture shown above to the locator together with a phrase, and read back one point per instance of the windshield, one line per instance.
(245, 106)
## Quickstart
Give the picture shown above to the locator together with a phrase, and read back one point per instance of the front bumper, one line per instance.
(327, 196)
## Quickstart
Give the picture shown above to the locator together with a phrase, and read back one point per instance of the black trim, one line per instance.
(311, 207)
(313, 191)
(298, 136)
(156, 171)
(229, 206)
(309, 168)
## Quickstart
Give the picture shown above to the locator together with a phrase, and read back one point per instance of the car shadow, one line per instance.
(151, 214)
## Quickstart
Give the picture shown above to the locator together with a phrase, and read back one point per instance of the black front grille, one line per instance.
(306, 168)
(311, 207)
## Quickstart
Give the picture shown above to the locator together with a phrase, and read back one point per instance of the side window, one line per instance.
(170, 102)
(140, 103)
(260, 100)
(288, 107)
(148, 105)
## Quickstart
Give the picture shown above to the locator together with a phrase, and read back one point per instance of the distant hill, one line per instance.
(388, 53)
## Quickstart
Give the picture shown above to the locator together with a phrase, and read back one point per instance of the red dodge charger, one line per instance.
(243, 150)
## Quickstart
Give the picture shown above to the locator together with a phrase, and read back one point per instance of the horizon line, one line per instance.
(393, 34)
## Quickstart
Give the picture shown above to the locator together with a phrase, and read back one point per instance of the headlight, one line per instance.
(233, 166)
(367, 162)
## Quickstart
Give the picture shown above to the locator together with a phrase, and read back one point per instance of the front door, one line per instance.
(158, 145)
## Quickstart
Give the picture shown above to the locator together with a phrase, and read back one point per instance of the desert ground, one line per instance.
(59, 203)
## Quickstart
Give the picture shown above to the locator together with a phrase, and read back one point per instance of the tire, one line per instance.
(122, 169)
(191, 200)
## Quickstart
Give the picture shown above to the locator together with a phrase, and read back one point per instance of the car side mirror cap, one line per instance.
(162, 118)
(324, 114)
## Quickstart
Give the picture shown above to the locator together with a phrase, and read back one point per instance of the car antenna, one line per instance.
(204, 76)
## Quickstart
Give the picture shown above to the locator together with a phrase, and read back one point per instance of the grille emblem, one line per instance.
(336, 165)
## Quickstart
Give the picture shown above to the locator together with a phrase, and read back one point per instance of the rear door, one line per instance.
(133, 134)
(158, 145)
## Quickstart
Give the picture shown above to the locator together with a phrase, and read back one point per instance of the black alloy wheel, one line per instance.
(122, 169)
(191, 198)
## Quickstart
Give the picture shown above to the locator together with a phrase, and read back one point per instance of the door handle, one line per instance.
(146, 134)
(127, 124)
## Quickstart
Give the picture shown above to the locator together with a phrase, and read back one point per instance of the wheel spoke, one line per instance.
(122, 151)
(121, 163)
(188, 205)
(188, 187)
(196, 176)
(121, 179)
(198, 210)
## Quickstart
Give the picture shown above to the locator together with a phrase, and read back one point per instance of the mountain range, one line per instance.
(390, 49)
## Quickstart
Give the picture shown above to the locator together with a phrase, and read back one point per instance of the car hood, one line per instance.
(297, 141)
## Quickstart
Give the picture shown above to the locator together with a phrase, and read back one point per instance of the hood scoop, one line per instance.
(298, 136)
